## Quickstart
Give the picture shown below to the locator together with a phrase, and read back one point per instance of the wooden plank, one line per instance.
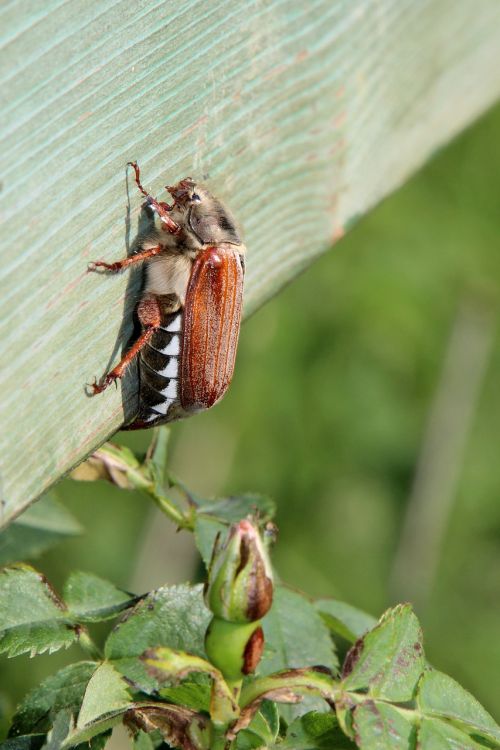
(301, 115)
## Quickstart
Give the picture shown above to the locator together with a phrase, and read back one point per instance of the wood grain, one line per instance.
(301, 115)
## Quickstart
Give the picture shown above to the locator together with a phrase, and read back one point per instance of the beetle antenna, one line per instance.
(161, 208)
(137, 171)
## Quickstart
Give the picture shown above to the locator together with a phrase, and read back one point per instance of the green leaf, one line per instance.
(387, 662)
(43, 525)
(206, 529)
(106, 693)
(97, 742)
(266, 722)
(147, 740)
(32, 617)
(435, 734)
(26, 742)
(315, 731)
(295, 636)
(168, 665)
(236, 508)
(248, 740)
(105, 701)
(263, 729)
(344, 620)
(380, 726)
(64, 690)
(92, 599)
(194, 693)
(172, 616)
(59, 732)
(438, 695)
(214, 516)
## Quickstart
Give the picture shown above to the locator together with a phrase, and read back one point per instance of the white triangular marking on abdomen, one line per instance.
(174, 326)
(171, 390)
(171, 370)
(173, 348)
(163, 407)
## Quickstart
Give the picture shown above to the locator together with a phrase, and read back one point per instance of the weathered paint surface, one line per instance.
(300, 115)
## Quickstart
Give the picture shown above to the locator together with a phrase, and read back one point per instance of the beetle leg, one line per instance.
(162, 209)
(149, 314)
(131, 260)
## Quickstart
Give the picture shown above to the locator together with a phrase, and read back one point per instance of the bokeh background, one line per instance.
(366, 401)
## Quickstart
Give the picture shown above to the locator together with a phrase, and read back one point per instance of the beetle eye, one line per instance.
(196, 198)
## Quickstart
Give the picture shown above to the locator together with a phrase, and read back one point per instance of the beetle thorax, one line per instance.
(168, 273)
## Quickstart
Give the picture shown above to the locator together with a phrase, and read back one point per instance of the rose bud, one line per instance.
(240, 585)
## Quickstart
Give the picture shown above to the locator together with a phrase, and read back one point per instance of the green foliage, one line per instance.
(33, 618)
(59, 731)
(105, 701)
(440, 696)
(326, 412)
(315, 730)
(379, 726)
(91, 599)
(173, 616)
(156, 678)
(64, 690)
(193, 692)
(343, 619)
(263, 729)
(43, 525)
(388, 661)
(295, 635)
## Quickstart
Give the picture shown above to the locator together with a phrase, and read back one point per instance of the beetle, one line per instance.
(190, 308)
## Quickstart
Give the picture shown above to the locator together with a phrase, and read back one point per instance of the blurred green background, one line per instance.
(379, 364)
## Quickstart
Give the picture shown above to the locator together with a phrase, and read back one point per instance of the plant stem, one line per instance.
(191, 499)
(88, 644)
(305, 681)
(166, 506)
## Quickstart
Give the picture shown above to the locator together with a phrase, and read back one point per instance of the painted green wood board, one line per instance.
(301, 115)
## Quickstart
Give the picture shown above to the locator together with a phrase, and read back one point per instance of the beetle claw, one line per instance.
(95, 387)
(98, 387)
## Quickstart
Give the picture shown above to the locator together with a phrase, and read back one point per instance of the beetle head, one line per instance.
(184, 192)
(206, 217)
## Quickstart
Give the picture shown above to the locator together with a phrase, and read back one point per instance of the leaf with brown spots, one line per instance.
(388, 661)
(379, 726)
(178, 726)
(168, 665)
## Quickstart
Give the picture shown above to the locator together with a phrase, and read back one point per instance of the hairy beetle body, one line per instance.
(190, 310)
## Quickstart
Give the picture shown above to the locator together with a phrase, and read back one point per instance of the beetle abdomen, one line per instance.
(160, 370)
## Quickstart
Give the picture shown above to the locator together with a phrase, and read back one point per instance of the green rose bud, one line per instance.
(234, 648)
(240, 585)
